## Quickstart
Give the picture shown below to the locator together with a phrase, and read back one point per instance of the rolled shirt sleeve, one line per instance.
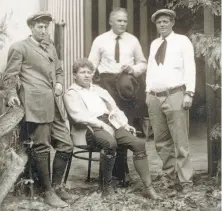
(140, 61)
(94, 55)
(189, 65)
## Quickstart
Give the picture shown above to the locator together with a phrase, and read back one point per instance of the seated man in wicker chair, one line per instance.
(92, 105)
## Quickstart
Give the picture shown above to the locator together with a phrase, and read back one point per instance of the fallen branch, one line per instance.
(14, 166)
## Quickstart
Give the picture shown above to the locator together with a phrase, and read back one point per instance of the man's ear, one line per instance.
(173, 22)
(74, 76)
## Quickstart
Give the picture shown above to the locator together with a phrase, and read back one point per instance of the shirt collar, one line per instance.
(77, 87)
(169, 37)
(115, 35)
(36, 42)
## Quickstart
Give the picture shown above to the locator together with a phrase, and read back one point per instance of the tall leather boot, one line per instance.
(142, 168)
(59, 166)
(107, 168)
(41, 161)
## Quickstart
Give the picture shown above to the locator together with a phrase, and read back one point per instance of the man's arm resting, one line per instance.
(10, 76)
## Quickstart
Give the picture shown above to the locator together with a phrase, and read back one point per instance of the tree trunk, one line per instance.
(11, 163)
(13, 168)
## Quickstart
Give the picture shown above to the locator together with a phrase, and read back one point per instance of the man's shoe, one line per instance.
(53, 200)
(187, 189)
(63, 194)
(151, 193)
(108, 191)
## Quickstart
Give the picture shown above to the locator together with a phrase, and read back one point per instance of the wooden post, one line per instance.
(87, 27)
(210, 93)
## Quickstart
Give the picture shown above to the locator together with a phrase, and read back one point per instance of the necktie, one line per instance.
(117, 49)
(160, 54)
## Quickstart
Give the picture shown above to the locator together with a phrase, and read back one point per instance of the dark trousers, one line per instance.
(122, 138)
(135, 108)
(38, 137)
(43, 135)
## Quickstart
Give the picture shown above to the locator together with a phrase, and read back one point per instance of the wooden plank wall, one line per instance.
(69, 12)
(96, 15)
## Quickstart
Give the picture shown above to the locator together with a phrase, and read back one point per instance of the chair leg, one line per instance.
(67, 169)
(89, 166)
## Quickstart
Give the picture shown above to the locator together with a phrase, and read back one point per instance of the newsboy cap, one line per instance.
(40, 15)
(168, 12)
(127, 86)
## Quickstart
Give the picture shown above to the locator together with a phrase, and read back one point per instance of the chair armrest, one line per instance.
(90, 128)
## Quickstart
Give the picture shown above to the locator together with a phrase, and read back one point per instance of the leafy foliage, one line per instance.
(3, 29)
(208, 46)
(194, 5)
(205, 195)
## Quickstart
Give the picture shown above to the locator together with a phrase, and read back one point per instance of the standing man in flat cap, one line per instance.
(170, 87)
(35, 64)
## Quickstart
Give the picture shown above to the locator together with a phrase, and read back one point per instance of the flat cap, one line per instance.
(40, 15)
(162, 12)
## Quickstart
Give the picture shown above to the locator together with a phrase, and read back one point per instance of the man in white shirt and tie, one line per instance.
(170, 86)
(115, 51)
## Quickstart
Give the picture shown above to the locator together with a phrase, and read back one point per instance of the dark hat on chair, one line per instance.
(127, 86)
(167, 12)
(40, 15)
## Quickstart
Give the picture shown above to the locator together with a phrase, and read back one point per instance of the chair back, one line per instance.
(77, 132)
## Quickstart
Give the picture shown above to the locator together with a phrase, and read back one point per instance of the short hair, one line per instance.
(115, 10)
(80, 63)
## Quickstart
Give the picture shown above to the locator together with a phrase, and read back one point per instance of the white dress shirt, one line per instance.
(102, 53)
(84, 106)
(96, 106)
(178, 68)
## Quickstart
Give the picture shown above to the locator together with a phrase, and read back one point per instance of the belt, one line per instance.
(168, 92)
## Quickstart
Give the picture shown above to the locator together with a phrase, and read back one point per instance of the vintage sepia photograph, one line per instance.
(110, 105)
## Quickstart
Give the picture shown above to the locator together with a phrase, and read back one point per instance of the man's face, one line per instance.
(118, 22)
(164, 25)
(40, 30)
(83, 77)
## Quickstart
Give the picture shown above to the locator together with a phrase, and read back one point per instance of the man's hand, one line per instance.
(14, 101)
(108, 128)
(187, 102)
(130, 129)
(58, 89)
(128, 69)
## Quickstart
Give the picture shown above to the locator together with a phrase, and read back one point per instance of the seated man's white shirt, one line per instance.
(103, 50)
(178, 68)
(84, 106)
(94, 103)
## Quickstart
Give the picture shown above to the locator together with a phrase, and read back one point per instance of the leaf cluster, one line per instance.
(194, 5)
(208, 46)
(3, 29)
